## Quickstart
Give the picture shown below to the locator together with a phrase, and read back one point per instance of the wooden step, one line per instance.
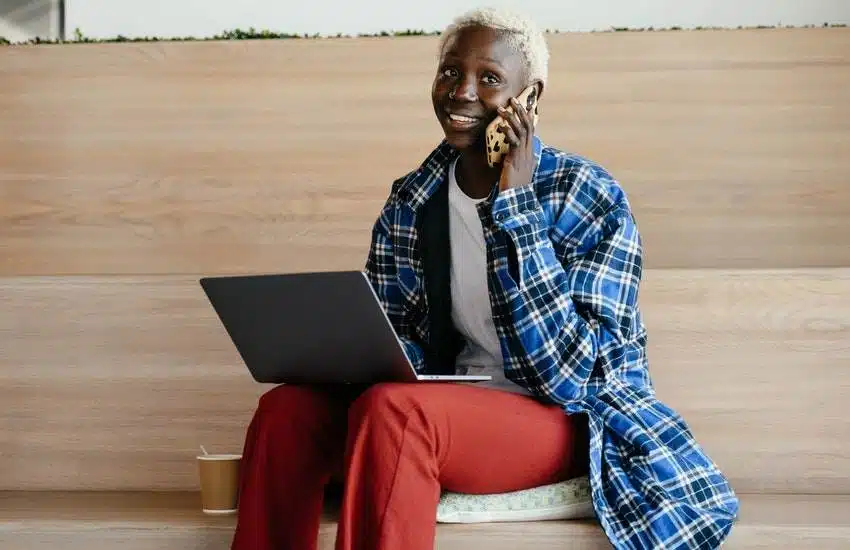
(277, 154)
(173, 521)
(112, 383)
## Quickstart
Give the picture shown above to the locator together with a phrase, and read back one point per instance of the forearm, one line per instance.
(380, 270)
(414, 353)
(564, 316)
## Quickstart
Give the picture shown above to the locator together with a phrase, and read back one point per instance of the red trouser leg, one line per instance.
(293, 443)
(406, 441)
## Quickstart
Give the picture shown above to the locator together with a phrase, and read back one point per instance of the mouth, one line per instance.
(461, 122)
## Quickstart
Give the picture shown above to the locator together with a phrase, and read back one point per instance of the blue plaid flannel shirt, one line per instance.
(567, 315)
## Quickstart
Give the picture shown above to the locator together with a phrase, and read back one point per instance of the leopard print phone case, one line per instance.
(497, 147)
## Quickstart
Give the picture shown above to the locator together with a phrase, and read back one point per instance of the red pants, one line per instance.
(397, 446)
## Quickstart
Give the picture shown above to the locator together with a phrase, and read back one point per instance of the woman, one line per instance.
(528, 271)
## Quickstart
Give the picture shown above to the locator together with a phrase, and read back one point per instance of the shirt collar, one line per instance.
(419, 185)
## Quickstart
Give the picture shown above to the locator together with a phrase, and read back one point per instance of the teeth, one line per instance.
(461, 118)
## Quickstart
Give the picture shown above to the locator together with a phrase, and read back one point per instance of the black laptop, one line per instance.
(313, 328)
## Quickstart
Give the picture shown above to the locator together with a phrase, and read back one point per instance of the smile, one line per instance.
(462, 122)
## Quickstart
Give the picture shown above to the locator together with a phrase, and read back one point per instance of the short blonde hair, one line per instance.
(521, 33)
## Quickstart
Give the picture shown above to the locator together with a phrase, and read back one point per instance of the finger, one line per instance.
(516, 117)
(513, 121)
(524, 116)
(510, 135)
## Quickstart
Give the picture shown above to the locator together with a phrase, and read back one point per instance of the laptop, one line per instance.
(313, 328)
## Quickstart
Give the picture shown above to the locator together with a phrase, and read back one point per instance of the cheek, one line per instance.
(440, 87)
(492, 100)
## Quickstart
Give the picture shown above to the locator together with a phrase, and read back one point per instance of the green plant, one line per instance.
(254, 34)
(235, 34)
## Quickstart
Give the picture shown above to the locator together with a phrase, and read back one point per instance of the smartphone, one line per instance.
(497, 147)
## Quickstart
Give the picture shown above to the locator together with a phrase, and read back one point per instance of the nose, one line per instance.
(464, 90)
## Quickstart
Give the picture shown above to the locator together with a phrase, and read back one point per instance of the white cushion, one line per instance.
(565, 500)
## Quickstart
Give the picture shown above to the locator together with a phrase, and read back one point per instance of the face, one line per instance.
(483, 74)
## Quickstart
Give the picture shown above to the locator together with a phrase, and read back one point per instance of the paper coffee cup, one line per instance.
(219, 474)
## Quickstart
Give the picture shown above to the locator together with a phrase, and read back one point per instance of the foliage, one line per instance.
(254, 34)
(235, 34)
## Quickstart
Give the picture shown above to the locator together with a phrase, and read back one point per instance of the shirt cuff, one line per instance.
(517, 208)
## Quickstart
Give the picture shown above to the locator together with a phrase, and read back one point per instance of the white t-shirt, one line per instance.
(471, 310)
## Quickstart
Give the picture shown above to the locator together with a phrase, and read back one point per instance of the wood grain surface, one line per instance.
(113, 382)
(166, 158)
(172, 521)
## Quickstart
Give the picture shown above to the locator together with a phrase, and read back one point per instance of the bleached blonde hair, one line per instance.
(521, 33)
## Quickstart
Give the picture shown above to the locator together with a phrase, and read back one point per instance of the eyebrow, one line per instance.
(450, 54)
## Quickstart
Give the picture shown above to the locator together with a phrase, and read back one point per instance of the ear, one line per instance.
(539, 85)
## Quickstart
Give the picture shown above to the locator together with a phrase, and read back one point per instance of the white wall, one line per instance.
(105, 18)
(22, 20)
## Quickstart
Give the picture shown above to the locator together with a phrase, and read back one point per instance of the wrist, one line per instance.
(517, 206)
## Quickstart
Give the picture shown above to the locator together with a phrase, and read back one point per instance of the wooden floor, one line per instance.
(173, 521)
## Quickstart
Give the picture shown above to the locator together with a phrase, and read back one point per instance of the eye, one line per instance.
(490, 79)
(449, 72)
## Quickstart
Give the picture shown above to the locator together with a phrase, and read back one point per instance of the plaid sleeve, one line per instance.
(381, 272)
(569, 307)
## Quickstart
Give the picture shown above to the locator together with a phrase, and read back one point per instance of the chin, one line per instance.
(461, 144)
(463, 141)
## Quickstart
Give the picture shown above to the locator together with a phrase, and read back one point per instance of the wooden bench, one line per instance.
(127, 171)
(152, 521)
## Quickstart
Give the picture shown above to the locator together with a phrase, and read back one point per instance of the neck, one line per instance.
(474, 175)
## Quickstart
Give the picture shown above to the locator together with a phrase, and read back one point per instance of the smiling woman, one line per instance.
(528, 271)
(486, 59)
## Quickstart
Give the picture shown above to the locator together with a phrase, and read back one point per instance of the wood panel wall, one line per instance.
(233, 156)
(114, 381)
(127, 171)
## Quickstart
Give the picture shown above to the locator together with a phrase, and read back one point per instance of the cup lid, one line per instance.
(220, 457)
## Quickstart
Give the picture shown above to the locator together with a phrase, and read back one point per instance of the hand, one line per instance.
(518, 163)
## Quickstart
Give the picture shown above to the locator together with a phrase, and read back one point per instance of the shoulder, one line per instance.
(391, 207)
(572, 179)
(582, 199)
(410, 191)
